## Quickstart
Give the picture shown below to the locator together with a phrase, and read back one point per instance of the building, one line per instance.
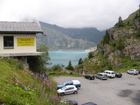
(19, 39)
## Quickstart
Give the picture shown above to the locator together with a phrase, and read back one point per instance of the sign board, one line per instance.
(25, 41)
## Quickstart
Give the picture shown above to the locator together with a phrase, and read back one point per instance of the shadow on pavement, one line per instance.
(135, 98)
(125, 93)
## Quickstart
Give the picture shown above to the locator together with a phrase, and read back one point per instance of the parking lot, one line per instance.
(116, 91)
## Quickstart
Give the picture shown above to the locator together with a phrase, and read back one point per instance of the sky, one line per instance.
(100, 14)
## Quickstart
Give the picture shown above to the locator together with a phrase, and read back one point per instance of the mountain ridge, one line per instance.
(65, 38)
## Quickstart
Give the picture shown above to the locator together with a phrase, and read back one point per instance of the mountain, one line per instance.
(89, 34)
(120, 47)
(69, 38)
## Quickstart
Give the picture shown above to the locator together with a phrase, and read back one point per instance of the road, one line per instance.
(117, 91)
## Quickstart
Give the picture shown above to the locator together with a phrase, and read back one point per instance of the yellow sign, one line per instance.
(25, 41)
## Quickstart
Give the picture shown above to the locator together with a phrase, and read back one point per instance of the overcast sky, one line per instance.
(101, 14)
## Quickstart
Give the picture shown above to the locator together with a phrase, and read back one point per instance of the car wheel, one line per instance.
(62, 94)
(75, 92)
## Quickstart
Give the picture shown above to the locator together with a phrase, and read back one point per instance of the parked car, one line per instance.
(117, 74)
(69, 89)
(109, 73)
(102, 76)
(89, 103)
(139, 72)
(133, 71)
(89, 76)
(69, 102)
(72, 82)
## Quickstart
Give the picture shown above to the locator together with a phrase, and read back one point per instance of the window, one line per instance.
(71, 83)
(68, 89)
(8, 42)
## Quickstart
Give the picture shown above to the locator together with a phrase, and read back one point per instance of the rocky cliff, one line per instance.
(119, 48)
(124, 40)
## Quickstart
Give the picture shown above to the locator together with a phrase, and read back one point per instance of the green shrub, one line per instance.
(117, 45)
(138, 34)
(56, 68)
(36, 64)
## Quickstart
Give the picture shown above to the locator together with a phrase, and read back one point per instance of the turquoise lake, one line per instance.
(63, 57)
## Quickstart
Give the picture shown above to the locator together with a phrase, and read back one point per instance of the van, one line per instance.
(110, 73)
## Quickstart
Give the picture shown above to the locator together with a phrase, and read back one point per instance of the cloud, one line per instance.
(101, 14)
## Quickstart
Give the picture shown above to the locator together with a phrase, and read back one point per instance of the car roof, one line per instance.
(108, 71)
(101, 73)
(69, 86)
(68, 82)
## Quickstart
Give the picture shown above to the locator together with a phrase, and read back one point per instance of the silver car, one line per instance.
(133, 71)
(69, 89)
(102, 76)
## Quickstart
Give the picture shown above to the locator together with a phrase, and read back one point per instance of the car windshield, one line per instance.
(64, 83)
(63, 88)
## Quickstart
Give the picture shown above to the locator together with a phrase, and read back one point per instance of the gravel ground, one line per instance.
(116, 91)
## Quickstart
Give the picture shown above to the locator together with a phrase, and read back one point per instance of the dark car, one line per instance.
(117, 74)
(69, 102)
(89, 76)
(89, 103)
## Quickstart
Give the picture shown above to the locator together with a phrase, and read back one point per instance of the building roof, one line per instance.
(20, 27)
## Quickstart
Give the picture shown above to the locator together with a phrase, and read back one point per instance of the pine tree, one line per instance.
(90, 55)
(120, 22)
(70, 67)
(106, 38)
(80, 61)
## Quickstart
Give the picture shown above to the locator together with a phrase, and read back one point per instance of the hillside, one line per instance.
(119, 49)
(23, 87)
(65, 38)
(89, 34)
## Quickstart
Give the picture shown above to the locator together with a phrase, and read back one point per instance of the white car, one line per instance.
(69, 89)
(109, 73)
(133, 71)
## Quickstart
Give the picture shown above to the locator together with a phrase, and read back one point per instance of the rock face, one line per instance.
(122, 40)
(132, 49)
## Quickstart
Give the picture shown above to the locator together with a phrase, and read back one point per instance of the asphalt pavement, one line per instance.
(115, 91)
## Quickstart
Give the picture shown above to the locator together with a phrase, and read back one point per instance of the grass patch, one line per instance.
(22, 87)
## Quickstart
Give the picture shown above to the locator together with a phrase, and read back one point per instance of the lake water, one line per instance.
(63, 57)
